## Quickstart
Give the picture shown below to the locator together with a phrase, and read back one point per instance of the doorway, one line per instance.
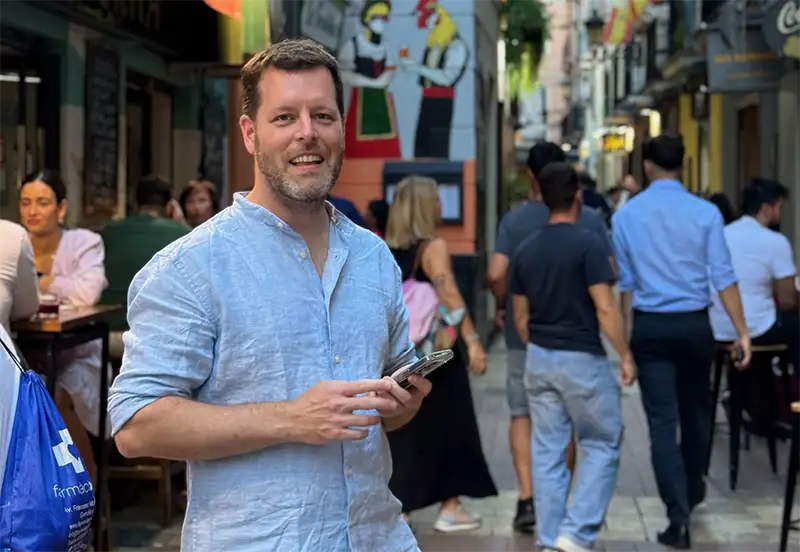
(29, 122)
(749, 148)
(148, 116)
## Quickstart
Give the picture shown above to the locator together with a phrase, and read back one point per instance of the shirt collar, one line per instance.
(747, 219)
(666, 184)
(263, 215)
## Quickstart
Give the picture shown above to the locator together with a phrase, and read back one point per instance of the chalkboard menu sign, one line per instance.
(214, 142)
(102, 132)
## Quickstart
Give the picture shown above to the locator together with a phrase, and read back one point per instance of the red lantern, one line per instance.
(231, 8)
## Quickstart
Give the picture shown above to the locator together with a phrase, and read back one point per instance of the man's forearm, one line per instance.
(521, 325)
(176, 428)
(626, 306)
(498, 289)
(612, 326)
(732, 301)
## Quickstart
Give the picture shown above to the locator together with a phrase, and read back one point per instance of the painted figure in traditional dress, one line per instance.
(371, 124)
(444, 62)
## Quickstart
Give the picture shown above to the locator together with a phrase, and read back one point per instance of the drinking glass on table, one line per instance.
(48, 306)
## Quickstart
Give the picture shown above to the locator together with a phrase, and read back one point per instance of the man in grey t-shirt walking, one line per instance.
(515, 227)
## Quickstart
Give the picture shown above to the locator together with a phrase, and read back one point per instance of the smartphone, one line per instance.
(422, 367)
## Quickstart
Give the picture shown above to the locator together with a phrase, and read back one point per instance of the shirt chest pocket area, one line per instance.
(361, 326)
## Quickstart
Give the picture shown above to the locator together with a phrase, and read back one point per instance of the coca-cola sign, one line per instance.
(789, 18)
(782, 27)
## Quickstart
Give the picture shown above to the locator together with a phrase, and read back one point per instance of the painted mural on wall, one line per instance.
(410, 87)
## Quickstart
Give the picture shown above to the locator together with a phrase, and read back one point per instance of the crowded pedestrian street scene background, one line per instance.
(399, 275)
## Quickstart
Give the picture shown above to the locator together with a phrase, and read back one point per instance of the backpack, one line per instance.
(422, 303)
(431, 326)
(47, 499)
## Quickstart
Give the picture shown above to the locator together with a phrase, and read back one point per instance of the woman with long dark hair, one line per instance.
(70, 265)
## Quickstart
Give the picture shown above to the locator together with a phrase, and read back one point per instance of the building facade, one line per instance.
(95, 90)
(421, 98)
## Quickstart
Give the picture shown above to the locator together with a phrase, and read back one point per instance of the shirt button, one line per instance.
(280, 225)
(303, 254)
(337, 359)
(349, 473)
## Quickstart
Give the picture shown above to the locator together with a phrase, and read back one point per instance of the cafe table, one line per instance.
(74, 326)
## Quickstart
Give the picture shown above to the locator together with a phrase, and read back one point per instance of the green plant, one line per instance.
(517, 187)
(526, 30)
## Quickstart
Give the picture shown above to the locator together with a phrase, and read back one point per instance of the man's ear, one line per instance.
(248, 128)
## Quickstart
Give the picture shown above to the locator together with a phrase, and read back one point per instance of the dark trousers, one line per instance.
(674, 353)
(764, 386)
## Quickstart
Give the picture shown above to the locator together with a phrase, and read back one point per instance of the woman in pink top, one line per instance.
(70, 265)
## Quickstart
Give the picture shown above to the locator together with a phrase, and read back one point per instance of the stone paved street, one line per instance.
(745, 520)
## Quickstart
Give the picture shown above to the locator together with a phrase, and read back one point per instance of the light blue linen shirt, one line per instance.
(669, 244)
(236, 313)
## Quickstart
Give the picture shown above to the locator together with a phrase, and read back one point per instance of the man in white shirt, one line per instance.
(764, 263)
(19, 291)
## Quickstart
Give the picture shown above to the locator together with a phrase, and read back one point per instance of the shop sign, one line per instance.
(782, 27)
(162, 23)
(747, 64)
(616, 142)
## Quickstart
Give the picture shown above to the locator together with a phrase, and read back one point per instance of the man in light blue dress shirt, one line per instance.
(669, 246)
(258, 343)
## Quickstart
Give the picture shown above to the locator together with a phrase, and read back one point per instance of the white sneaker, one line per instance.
(566, 545)
(455, 523)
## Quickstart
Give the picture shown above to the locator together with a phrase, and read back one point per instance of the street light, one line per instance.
(594, 29)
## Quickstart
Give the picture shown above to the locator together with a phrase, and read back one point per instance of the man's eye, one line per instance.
(284, 117)
(324, 117)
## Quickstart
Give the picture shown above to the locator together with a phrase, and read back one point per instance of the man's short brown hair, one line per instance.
(288, 55)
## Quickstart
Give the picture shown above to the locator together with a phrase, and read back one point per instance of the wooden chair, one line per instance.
(150, 469)
(762, 356)
(153, 469)
(791, 478)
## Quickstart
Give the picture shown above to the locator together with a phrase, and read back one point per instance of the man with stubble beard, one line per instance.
(258, 344)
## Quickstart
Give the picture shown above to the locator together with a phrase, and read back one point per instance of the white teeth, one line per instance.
(307, 159)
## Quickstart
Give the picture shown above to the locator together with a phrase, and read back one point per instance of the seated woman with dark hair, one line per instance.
(70, 265)
(199, 201)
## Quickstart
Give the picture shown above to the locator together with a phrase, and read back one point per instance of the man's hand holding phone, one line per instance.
(406, 402)
(326, 413)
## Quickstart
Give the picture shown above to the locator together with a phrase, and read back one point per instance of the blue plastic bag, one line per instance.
(47, 499)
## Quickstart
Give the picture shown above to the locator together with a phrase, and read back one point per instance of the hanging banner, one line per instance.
(255, 26)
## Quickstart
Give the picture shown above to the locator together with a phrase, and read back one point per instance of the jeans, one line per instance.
(568, 392)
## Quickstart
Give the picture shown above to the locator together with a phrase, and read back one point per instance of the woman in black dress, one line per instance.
(438, 456)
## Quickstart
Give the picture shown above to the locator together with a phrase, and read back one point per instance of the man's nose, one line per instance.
(305, 128)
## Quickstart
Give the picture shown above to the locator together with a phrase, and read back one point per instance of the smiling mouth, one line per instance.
(306, 160)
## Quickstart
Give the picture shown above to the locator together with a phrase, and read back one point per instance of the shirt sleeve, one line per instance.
(596, 264)
(781, 259)
(504, 243)
(169, 347)
(85, 284)
(622, 254)
(718, 257)
(401, 349)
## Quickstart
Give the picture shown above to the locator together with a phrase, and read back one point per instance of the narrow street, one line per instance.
(745, 520)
